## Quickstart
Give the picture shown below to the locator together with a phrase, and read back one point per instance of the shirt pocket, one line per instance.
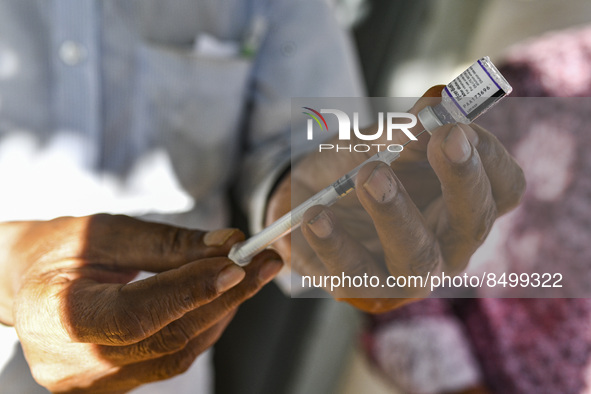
(192, 106)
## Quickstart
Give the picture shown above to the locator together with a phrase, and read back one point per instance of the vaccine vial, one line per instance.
(468, 96)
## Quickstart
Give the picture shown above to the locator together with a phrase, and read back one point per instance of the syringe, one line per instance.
(242, 252)
(465, 98)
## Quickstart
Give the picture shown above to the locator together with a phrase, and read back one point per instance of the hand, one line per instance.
(84, 328)
(427, 212)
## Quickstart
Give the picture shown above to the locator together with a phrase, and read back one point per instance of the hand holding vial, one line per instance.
(425, 213)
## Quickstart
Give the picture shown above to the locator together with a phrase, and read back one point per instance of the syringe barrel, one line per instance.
(242, 252)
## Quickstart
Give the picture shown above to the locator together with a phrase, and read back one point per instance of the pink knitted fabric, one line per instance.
(554, 65)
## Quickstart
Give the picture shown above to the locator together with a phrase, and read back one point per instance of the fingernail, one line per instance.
(469, 133)
(456, 147)
(321, 225)
(269, 270)
(381, 185)
(229, 277)
(218, 237)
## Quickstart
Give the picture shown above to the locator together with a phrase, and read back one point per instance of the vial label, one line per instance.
(474, 90)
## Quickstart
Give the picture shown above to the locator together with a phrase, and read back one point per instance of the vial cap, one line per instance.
(428, 119)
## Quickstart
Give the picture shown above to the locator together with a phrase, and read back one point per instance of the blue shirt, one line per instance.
(126, 80)
(155, 108)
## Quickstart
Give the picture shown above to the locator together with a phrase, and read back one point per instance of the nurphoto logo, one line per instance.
(392, 124)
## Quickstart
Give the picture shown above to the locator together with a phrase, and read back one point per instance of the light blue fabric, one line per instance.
(140, 86)
(108, 102)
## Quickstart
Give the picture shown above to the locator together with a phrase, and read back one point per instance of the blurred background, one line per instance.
(404, 47)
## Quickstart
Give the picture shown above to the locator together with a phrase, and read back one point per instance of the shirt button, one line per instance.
(72, 53)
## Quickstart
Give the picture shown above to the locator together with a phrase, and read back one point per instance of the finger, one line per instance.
(177, 363)
(470, 209)
(415, 151)
(410, 247)
(175, 336)
(122, 242)
(434, 91)
(506, 177)
(263, 268)
(123, 314)
(132, 375)
(340, 253)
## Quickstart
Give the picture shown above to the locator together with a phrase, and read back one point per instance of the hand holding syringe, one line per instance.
(457, 106)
